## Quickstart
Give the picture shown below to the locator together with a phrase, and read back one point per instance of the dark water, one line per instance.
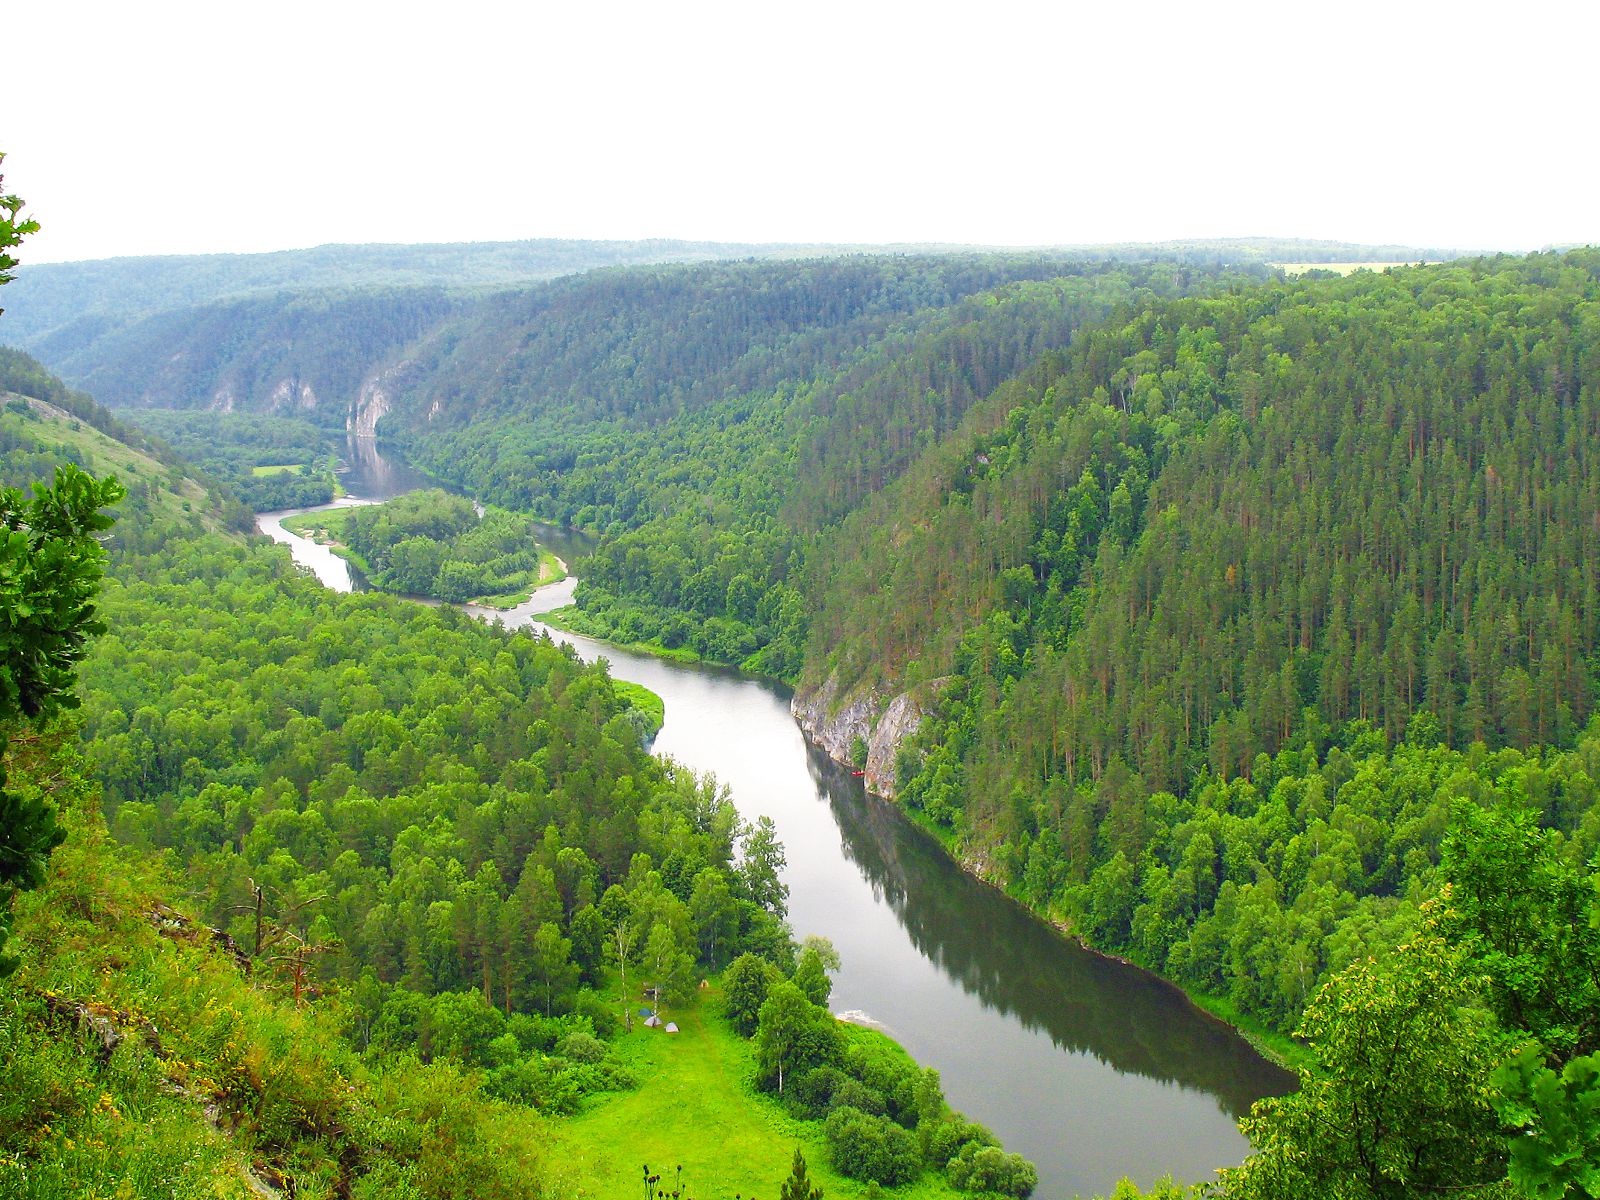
(1091, 1068)
(367, 474)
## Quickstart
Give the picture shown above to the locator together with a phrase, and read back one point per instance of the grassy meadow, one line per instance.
(695, 1108)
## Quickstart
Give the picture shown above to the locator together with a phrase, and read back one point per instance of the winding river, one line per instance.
(1091, 1068)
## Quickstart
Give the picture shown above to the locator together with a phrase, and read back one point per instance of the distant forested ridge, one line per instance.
(78, 301)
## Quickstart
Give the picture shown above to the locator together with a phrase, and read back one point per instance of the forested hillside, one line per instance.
(1207, 564)
(305, 354)
(713, 423)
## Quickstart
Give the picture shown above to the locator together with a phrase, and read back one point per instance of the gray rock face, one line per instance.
(374, 401)
(833, 722)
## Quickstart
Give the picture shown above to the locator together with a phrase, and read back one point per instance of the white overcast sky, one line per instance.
(234, 125)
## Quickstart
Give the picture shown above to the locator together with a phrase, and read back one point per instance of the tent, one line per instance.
(652, 1021)
(647, 1012)
(671, 1027)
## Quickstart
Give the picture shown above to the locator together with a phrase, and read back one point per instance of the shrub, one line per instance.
(990, 1169)
(811, 1095)
(852, 1093)
(946, 1139)
(871, 1148)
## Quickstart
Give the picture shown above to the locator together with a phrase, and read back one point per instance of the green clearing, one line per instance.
(695, 1108)
(279, 469)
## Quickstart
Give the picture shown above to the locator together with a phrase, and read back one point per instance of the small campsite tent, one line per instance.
(672, 1027)
(652, 1021)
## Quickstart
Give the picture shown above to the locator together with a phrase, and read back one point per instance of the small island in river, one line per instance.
(430, 543)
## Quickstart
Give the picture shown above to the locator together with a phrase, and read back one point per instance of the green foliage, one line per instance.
(872, 1148)
(793, 1036)
(798, 1185)
(13, 228)
(1399, 1106)
(1530, 918)
(811, 977)
(50, 569)
(745, 985)
(991, 1170)
(1559, 1152)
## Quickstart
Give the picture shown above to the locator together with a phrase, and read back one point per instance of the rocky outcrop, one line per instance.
(835, 722)
(374, 401)
(291, 394)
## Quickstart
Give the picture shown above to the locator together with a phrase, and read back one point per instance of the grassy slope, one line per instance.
(215, 1074)
(695, 1108)
(176, 494)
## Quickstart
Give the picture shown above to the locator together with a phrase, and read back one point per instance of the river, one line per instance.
(1090, 1067)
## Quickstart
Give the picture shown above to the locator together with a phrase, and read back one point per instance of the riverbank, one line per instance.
(572, 619)
(1278, 1048)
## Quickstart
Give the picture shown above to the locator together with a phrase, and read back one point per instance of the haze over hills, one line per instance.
(59, 310)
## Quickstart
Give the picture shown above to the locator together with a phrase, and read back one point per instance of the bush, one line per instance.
(855, 1094)
(871, 1148)
(581, 1047)
(949, 1138)
(811, 1095)
(990, 1169)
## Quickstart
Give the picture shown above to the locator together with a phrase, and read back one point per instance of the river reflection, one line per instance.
(1091, 1068)
(1014, 963)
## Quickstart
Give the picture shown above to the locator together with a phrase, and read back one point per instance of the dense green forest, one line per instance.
(719, 459)
(1221, 545)
(1254, 620)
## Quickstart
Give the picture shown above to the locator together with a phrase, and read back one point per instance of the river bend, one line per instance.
(1090, 1067)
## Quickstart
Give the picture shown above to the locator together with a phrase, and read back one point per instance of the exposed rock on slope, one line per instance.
(834, 722)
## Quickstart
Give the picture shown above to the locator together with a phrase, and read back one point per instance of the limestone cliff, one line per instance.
(374, 400)
(834, 721)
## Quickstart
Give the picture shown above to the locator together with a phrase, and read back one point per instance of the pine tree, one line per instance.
(799, 1186)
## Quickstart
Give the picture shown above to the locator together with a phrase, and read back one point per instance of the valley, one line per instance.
(1242, 626)
(1061, 1052)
